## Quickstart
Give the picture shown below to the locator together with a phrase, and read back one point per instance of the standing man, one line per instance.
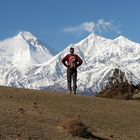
(72, 62)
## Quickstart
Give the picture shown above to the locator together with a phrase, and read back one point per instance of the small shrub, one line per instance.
(74, 127)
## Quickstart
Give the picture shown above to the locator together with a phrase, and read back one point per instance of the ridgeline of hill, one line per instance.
(35, 115)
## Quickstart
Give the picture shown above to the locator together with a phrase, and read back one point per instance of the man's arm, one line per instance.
(80, 61)
(64, 60)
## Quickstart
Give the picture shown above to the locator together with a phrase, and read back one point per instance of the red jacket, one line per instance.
(66, 59)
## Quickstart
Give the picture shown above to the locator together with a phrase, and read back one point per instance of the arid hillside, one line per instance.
(36, 115)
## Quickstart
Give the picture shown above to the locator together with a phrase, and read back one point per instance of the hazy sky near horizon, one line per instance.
(61, 22)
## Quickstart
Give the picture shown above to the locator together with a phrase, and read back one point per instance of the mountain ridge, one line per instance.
(100, 56)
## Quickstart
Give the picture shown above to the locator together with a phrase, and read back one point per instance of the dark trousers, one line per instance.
(72, 77)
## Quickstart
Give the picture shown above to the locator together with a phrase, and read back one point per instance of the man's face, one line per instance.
(71, 51)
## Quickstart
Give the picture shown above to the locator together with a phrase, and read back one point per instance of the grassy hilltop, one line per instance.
(38, 115)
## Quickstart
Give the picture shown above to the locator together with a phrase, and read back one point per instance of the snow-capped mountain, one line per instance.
(24, 49)
(100, 55)
(18, 54)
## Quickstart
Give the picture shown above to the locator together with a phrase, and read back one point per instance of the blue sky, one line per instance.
(61, 22)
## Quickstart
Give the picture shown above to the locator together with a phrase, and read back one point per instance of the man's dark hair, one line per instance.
(71, 48)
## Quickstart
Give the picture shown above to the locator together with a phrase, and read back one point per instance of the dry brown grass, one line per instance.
(36, 115)
(116, 93)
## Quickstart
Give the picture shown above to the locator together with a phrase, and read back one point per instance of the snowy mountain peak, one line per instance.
(121, 38)
(92, 39)
(26, 35)
(24, 50)
(123, 41)
(95, 37)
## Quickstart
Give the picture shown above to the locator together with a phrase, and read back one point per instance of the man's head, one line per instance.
(71, 50)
